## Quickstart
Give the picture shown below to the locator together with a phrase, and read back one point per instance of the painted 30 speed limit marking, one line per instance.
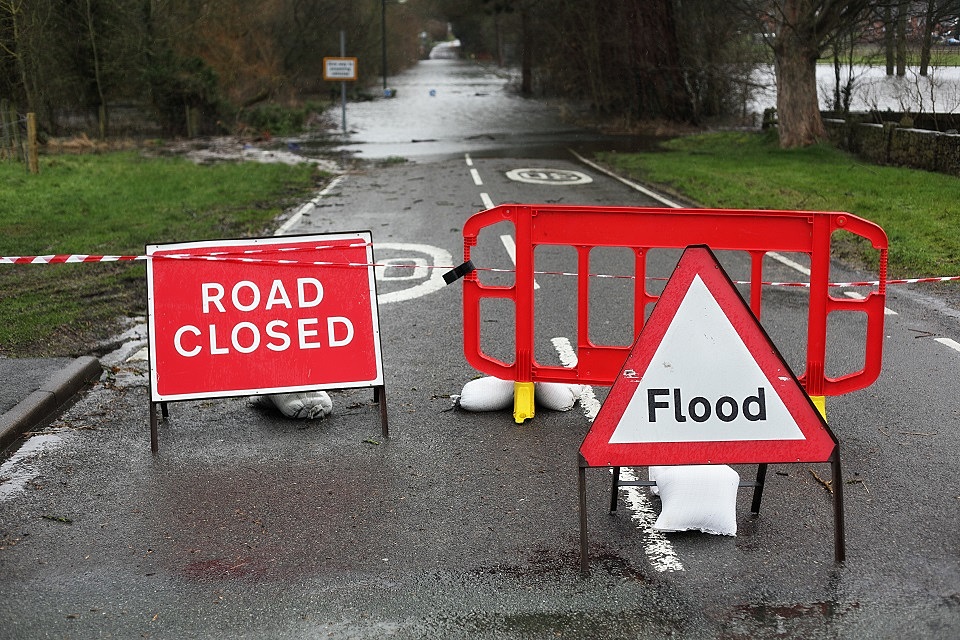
(549, 176)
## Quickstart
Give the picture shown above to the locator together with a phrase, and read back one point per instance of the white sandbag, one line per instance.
(305, 404)
(698, 498)
(559, 396)
(486, 394)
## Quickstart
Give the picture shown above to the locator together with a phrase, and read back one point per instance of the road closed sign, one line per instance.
(268, 315)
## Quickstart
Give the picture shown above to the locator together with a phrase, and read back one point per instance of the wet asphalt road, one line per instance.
(464, 525)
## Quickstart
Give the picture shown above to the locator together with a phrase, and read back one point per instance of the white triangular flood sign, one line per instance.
(703, 384)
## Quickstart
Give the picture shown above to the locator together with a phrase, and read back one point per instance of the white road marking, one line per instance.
(947, 342)
(308, 207)
(511, 247)
(553, 177)
(440, 256)
(476, 177)
(435, 282)
(658, 549)
(633, 185)
(487, 201)
(859, 296)
(468, 159)
(17, 471)
(788, 262)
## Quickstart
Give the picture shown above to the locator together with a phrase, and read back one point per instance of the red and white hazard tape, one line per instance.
(244, 257)
(213, 255)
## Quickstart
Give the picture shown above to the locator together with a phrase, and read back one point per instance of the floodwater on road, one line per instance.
(444, 108)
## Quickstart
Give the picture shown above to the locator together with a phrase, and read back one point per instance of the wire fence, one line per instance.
(18, 137)
(13, 129)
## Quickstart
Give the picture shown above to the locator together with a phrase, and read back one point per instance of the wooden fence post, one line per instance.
(33, 160)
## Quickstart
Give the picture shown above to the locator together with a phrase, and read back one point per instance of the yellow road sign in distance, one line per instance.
(342, 69)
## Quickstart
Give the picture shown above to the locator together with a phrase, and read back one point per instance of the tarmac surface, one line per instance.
(34, 391)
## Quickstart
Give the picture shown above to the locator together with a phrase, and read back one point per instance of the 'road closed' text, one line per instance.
(274, 334)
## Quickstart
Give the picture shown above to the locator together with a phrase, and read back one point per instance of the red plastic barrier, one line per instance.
(642, 229)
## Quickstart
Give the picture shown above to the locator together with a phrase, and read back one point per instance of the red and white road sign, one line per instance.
(704, 384)
(267, 315)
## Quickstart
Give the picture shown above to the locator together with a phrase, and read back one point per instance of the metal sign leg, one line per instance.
(154, 440)
(758, 489)
(613, 489)
(164, 413)
(584, 560)
(380, 395)
(839, 539)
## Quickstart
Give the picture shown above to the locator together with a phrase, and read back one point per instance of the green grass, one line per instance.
(917, 209)
(115, 204)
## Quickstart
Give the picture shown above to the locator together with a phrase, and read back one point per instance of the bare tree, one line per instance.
(21, 35)
(804, 28)
(901, 37)
(935, 13)
(95, 54)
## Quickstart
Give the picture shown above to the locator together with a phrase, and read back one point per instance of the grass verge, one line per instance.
(115, 204)
(739, 170)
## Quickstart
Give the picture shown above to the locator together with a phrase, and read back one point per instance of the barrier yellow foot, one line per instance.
(820, 402)
(522, 401)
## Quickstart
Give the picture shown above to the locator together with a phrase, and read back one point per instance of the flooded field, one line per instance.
(873, 89)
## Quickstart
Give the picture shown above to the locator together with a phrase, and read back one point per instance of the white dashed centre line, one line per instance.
(658, 549)
(790, 263)
(511, 246)
(859, 296)
(947, 342)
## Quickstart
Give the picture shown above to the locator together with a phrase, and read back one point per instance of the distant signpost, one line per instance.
(341, 69)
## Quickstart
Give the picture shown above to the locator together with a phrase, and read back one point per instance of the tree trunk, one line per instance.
(798, 108)
(926, 42)
(19, 48)
(655, 58)
(97, 75)
(888, 49)
(526, 55)
(902, 37)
